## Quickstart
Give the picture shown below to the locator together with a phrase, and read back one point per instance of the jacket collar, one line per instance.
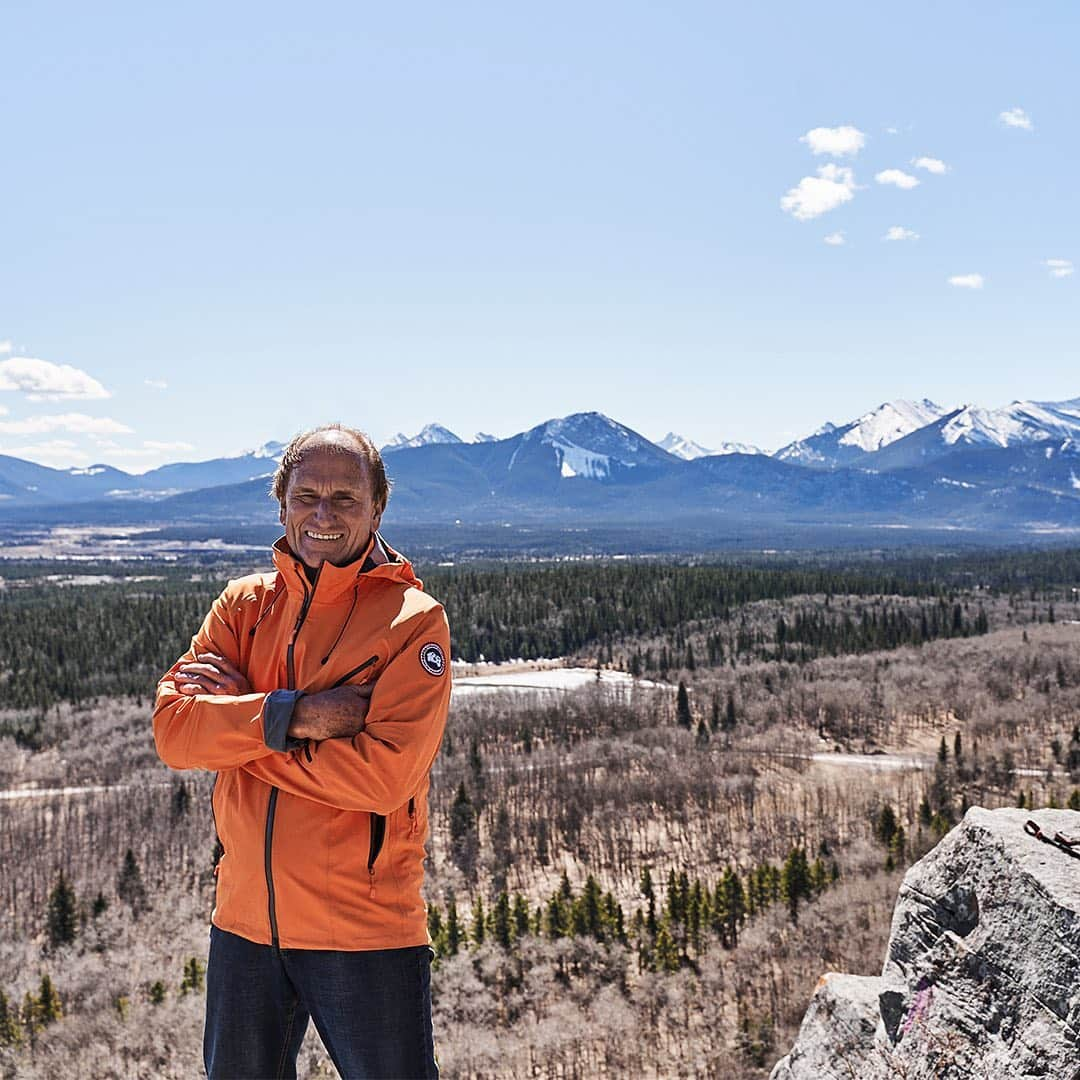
(377, 560)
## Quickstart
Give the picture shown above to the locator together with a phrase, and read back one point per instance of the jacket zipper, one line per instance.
(413, 820)
(271, 806)
(355, 671)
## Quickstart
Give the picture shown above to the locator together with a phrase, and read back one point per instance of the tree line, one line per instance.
(670, 928)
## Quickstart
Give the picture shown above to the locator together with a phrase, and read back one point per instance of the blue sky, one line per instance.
(223, 223)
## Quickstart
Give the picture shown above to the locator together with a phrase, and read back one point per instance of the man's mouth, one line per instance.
(322, 536)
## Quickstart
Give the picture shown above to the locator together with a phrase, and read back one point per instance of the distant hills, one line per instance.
(902, 465)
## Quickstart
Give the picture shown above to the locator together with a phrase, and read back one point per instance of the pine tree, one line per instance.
(478, 927)
(129, 885)
(30, 1016)
(732, 905)
(649, 893)
(591, 911)
(666, 952)
(453, 927)
(157, 992)
(47, 1006)
(683, 716)
(520, 917)
(885, 826)
(795, 881)
(501, 926)
(10, 1035)
(729, 713)
(464, 840)
(61, 920)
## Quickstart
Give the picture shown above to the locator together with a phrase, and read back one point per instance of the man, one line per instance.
(318, 692)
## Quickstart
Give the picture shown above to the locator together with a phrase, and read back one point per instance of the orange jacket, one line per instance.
(324, 846)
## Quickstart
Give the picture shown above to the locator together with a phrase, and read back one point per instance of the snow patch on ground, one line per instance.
(553, 680)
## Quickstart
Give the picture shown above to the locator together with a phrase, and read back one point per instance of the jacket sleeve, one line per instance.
(379, 769)
(207, 731)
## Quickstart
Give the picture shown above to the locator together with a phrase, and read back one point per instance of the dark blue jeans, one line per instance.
(372, 1010)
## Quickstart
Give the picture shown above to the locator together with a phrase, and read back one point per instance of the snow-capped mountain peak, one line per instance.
(431, 433)
(689, 450)
(845, 444)
(1012, 425)
(590, 445)
(682, 447)
(271, 449)
(890, 421)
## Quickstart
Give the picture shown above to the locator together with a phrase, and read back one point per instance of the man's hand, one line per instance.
(332, 714)
(210, 673)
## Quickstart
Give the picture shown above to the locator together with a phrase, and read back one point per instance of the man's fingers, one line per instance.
(208, 670)
(222, 663)
(198, 684)
(363, 690)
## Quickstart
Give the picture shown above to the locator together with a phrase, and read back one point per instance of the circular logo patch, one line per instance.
(432, 659)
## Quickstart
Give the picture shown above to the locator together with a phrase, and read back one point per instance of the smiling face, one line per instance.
(329, 513)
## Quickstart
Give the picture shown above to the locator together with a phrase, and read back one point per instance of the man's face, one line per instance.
(329, 513)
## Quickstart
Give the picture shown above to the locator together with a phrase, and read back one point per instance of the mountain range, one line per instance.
(902, 464)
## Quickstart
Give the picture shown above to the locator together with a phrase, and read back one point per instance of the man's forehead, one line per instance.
(340, 462)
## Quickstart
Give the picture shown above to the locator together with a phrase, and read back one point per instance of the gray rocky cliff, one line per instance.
(982, 974)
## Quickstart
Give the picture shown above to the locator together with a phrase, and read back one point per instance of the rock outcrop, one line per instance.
(982, 974)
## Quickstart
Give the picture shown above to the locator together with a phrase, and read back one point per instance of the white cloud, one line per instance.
(1016, 118)
(42, 380)
(153, 444)
(156, 384)
(77, 423)
(967, 281)
(813, 196)
(5, 346)
(898, 178)
(835, 239)
(149, 448)
(59, 453)
(930, 164)
(898, 232)
(892, 131)
(1060, 268)
(844, 141)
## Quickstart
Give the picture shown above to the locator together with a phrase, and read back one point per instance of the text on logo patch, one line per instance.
(432, 659)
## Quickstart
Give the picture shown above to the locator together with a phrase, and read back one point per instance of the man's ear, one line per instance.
(281, 513)
(376, 520)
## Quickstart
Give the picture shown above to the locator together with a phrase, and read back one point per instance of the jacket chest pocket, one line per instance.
(359, 669)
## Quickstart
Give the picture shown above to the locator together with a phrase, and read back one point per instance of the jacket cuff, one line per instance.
(277, 715)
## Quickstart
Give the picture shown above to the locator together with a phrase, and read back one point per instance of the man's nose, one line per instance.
(324, 510)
